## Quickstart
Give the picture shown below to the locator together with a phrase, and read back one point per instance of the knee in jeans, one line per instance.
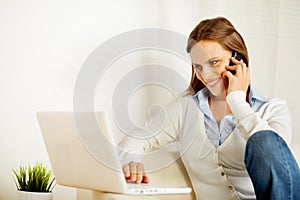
(265, 144)
(265, 138)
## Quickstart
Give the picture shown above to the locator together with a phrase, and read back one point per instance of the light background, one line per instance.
(44, 43)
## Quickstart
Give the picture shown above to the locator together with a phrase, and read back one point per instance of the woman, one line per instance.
(238, 149)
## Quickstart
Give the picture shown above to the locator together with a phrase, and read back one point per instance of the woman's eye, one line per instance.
(198, 67)
(213, 62)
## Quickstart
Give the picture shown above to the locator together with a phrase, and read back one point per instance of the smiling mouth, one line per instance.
(212, 82)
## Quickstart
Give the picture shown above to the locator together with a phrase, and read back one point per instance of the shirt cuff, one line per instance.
(130, 150)
(238, 104)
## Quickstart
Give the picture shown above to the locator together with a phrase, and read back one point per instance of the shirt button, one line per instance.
(230, 187)
(222, 173)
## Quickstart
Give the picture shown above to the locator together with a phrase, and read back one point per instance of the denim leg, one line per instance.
(272, 168)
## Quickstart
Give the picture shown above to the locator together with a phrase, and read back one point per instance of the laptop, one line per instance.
(89, 160)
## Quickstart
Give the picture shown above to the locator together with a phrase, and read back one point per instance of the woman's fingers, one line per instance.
(146, 178)
(237, 67)
(237, 62)
(135, 172)
(238, 76)
(139, 172)
(126, 171)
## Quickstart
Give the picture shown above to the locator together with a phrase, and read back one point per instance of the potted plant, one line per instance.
(34, 183)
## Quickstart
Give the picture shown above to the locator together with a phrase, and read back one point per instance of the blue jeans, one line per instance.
(272, 168)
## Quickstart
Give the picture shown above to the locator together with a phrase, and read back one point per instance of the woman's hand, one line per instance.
(135, 172)
(241, 79)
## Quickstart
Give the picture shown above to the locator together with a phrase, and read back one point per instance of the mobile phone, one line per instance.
(239, 57)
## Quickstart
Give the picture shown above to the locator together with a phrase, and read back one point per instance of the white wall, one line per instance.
(44, 43)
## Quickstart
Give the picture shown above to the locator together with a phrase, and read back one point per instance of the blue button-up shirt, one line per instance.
(217, 135)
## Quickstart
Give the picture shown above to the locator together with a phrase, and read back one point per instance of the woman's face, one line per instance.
(209, 59)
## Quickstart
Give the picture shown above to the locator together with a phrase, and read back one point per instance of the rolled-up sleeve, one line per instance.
(161, 130)
(273, 115)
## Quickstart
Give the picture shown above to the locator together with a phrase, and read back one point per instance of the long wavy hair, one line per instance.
(220, 30)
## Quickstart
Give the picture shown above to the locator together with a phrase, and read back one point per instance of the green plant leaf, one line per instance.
(34, 179)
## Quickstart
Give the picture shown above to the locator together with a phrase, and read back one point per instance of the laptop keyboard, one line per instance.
(143, 188)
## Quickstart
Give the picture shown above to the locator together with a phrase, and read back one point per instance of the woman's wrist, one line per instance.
(238, 104)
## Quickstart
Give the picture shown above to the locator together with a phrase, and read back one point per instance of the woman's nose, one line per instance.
(207, 71)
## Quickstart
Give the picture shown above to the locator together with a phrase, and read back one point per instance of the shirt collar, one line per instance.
(255, 95)
(202, 97)
(203, 94)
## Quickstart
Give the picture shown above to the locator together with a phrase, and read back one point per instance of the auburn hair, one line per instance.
(222, 31)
